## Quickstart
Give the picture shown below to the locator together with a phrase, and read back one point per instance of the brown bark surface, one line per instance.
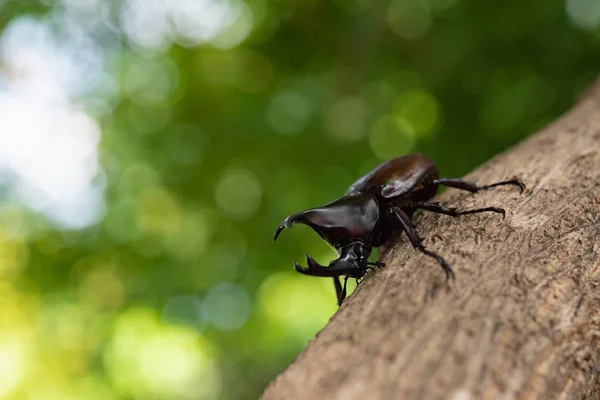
(522, 319)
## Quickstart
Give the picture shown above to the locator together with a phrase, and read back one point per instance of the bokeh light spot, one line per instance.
(155, 25)
(288, 113)
(14, 255)
(187, 145)
(147, 119)
(226, 306)
(254, 73)
(417, 112)
(409, 18)
(192, 237)
(158, 212)
(81, 5)
(346, 119)
(13, 361)
(137, 177)
(298, 303)
(48, 144)
(149, 82)
(121, 221)
(145, 359)
(227, 254)
(388, 138)
(442, 4)
(237, 31)
(238, 193)
(102, 288)
(584, 13)
(185, 310)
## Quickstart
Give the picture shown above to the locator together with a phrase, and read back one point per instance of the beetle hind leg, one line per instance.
(376, 264)
(438, 208)
(472, 187)
(417, 241)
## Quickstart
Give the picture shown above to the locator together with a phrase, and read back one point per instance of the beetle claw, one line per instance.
(521, 185)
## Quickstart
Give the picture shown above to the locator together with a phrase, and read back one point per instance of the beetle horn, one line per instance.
(300, 217)
(285, 224)
(314, 268)
(312, 264)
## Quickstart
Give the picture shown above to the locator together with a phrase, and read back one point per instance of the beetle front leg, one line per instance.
(340, 294)
(332, 271)
(315, 269)
(472, 187)
(339, 290)
(417, 242)
(438, 208)
(337, 285)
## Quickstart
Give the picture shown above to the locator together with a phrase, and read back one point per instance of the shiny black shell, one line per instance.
(404, 177)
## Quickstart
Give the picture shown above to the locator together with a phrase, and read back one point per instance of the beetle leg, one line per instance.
(342, 294)
(472, 186)
(338, 290)
(315, 269)
(377, 264)
(417, 242)
(438, 208)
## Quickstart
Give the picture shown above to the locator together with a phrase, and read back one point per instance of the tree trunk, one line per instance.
(522, 318)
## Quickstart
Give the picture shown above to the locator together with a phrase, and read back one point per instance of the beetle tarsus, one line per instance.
(445, 266)
(472, 187)
(501, 211)
(515, 182)
(438, 208)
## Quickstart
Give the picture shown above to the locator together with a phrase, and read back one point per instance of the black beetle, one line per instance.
(376, 207)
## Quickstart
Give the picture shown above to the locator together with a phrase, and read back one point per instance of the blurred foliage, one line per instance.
(217, 120)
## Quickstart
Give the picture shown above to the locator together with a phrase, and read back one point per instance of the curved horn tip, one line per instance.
(282, 226)
(277, 232)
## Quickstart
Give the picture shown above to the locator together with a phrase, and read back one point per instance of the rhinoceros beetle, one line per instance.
(376, 207)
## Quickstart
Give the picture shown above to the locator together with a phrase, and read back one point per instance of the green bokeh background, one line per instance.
(209, 138)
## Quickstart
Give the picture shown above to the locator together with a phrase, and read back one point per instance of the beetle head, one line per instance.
(341, 222)
(346, 224)
(351, 262)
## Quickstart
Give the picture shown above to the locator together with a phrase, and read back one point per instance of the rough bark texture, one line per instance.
(522, 319)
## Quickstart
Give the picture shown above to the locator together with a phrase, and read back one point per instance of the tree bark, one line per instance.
(522, 318)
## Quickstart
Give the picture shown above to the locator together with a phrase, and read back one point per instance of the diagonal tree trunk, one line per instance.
(522, 319)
